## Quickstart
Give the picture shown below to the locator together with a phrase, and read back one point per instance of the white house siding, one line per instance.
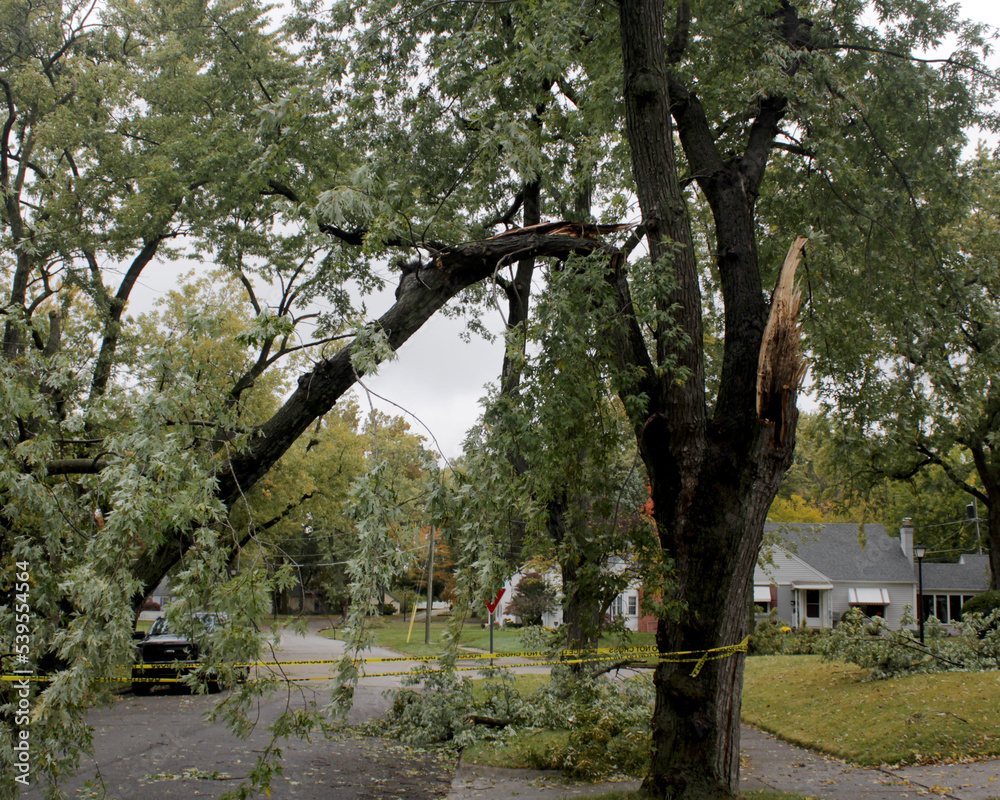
(789, 572)
(792, 569)
(625, 606)
(900, 595)
(550, 619)
(835, 601)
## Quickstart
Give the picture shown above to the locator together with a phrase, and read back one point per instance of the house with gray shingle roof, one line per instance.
(813, 573)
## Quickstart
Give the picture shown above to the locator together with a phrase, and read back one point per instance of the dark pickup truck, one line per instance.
(162, 655)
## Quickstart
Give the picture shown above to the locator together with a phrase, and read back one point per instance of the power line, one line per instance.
(942, 524)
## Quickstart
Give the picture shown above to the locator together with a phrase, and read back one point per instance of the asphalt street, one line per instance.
(162, 747)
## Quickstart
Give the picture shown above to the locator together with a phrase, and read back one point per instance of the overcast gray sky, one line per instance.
(438, 378)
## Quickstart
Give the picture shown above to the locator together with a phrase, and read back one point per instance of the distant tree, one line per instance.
(912, 384)
(532, 598)
(833, 479)
(794, 509)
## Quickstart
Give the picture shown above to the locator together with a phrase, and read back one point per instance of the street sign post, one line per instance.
(493, 607)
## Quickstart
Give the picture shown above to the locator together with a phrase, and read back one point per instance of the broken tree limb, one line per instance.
(627, 663)
(780, 366)
(489, 722)
(420, 295)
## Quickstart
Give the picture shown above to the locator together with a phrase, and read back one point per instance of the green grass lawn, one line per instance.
(827, 707)
(920, 718)
(392, 632)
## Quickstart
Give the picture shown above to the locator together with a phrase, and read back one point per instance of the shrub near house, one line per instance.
(772, 636)
(982, 604)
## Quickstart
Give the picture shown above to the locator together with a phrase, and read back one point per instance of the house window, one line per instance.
(633, 605)
(616, 606)
(946, 607)
(812, 603)
(955, 606)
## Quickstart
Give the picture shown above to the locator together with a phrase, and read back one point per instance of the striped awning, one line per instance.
(868, 596)
(762, 594)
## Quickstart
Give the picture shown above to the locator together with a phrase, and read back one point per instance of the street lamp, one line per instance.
(918, 551)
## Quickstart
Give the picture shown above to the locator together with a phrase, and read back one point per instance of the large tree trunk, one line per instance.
(518, 293)
(993, 539)
(988, 472)
(712, 478)
(714, 544)
(583, 604)
(993, 526)
(580, 567)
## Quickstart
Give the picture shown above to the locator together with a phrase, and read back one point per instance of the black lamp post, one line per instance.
(918, 551)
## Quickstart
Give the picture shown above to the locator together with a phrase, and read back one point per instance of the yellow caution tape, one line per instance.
(647, 650)
(697, 657)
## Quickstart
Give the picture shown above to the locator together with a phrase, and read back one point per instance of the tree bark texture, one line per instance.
(993, 548)
(993, 532)
(518, 293)
(988, 473)
(583, 604)
(580, 564)
(712, 478)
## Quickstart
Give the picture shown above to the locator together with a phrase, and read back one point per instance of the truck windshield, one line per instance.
(161, 627)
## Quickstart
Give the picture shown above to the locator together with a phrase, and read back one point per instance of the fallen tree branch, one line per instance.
(489, 722)
(626, 663)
